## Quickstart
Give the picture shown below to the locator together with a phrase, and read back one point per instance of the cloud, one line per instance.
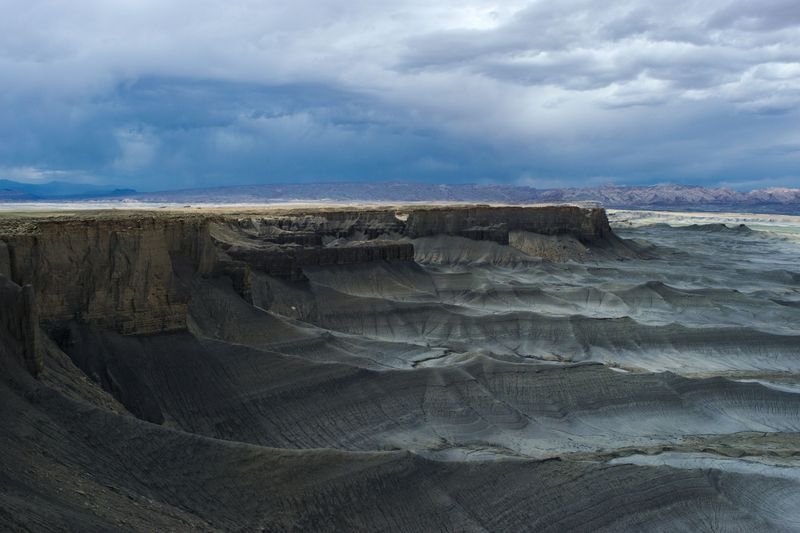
(153, 94)
(771, 15)
(137, 149)
(584, 46)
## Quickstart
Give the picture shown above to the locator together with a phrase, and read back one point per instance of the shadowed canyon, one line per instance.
(399, 368)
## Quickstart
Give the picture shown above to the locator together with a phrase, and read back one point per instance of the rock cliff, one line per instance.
(121, 271)
(282, 246)
(19, 325)
(495, 223)
(114, 272)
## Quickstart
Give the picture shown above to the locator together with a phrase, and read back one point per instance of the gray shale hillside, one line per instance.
(393, 369)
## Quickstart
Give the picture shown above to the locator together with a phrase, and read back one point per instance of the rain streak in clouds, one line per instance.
(160, 95)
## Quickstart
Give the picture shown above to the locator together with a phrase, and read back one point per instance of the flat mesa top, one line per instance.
(67, 212)
(14, 222)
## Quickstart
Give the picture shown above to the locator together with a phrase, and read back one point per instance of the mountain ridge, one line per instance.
(781, 200)
(19, 191)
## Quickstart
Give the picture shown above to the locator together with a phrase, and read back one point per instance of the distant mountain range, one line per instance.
(772, 200)
(14, 191)
(659, 197)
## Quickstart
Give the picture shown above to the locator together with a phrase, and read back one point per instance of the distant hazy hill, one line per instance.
(14, 191)
(779, 200)
(352, 191)
(653, 197)
(775, 200)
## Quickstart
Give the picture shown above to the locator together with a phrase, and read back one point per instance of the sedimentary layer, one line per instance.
(115, 272)
(118, 270)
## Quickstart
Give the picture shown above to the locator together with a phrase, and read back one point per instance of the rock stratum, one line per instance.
(407, 368)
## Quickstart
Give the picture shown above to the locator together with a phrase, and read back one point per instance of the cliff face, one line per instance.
(288, 261)
(19, 325)
(114, 273)
(334, 224)
(120, 271)
(283, 246)
(495, 223)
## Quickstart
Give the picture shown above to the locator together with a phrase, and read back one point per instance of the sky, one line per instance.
(156, 94)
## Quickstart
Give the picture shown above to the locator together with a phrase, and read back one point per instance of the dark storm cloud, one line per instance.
(159, 95)
(181, 132)
(746, 15)
(581, 45)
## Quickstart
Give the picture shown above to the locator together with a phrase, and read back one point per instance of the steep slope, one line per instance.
(70, 465)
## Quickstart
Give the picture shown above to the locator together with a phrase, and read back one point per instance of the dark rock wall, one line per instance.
(288, 261)
(123, 272)
(19, 325)
(494, 223)
(114, 273)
